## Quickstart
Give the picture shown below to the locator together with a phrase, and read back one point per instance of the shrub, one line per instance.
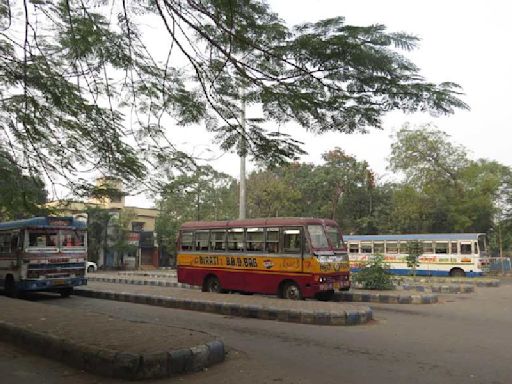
(374, 275)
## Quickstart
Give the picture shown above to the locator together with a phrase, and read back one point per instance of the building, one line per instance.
(134, 224)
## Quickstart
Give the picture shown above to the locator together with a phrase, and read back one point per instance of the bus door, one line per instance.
(292, 239)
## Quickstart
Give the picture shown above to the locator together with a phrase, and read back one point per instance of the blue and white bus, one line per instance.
(444, 254)
(42, 254)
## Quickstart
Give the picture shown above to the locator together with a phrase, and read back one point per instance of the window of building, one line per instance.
(441, 247)
(236, 239)
(255, 239)
(115, 199)
(465, 248)
(5, 243)
(391, 247)
(272, 240)
(217, 240)
(187, 241)
(291, 240)
(378, 248)
(353, 247)
(428, 247)
(137, 226)
(202, 240)
(366, 247)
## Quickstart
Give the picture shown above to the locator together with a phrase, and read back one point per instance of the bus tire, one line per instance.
(66, 292)
(457, 272)
(90, 269)
(325, 295)
(290, 291)
(212, 284)
(10, 287)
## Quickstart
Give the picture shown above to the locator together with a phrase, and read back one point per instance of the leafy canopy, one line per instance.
(83, 89)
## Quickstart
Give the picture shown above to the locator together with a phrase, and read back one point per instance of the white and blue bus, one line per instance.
(444, 254)
(42, 254)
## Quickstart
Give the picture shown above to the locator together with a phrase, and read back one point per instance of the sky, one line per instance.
(466, 42)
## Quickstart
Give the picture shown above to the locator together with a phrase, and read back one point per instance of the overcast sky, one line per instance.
(467, 42)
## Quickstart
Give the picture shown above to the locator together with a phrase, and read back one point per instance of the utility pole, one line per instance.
(242, 148)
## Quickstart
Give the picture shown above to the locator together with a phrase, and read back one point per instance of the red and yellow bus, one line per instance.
(294, 258)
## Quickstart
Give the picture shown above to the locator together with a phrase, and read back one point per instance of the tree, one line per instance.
(203, 194)
(21, 195)
(414, 251)
(72, 78)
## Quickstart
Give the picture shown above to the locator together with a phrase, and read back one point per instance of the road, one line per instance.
(464, 339)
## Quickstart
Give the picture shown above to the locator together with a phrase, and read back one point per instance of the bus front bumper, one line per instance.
(51, 284)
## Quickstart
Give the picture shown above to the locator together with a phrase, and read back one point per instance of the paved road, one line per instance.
(465, 339)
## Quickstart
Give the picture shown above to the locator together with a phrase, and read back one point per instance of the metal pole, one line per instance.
(243, 197)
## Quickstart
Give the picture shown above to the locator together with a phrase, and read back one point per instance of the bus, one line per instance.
(295, 258)
(42, 254)
(448, 254)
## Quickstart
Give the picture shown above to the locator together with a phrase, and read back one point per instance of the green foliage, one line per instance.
(414, 251)
(81, 89)
(204, 194)
(21, 196)
(374, 275)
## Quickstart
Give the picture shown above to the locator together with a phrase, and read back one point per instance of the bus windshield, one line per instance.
(69, 239)
(317, 236)
(334, 236)
(42, 239)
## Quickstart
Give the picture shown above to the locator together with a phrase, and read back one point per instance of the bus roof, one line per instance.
(261, 222)
(419, 236)
(44, 222)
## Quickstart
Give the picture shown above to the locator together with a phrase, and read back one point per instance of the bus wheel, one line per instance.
(212, 284)
(291, 291)
(325, 295)
(457, 272)
(90, 269)
(66, 292)
(10, 287)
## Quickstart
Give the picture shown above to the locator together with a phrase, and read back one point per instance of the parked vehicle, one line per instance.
(294, 258)
(448, 254)
(42, 254)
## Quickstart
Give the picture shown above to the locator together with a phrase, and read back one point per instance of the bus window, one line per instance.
(353, 247)
(5, 243)
(334, 236)
(291, 240)
(366, 247)
(454, 248)
(475, 248)
(72, 239)
(187, 241)
(236, 239)
(42, 239)
(404, 247)
(427, 247)
(465, 248)
(481, 243)
(378, 248)
(217, 240)
(255, 239)
(272, 243)
(391, 247)
(202, 240)
(317, 236)
(441, 247)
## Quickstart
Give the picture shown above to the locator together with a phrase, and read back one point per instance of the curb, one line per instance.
(471, 281)
(156, 283)
(385, 298)
(437, 288)
(105, 362)
(347, 317)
